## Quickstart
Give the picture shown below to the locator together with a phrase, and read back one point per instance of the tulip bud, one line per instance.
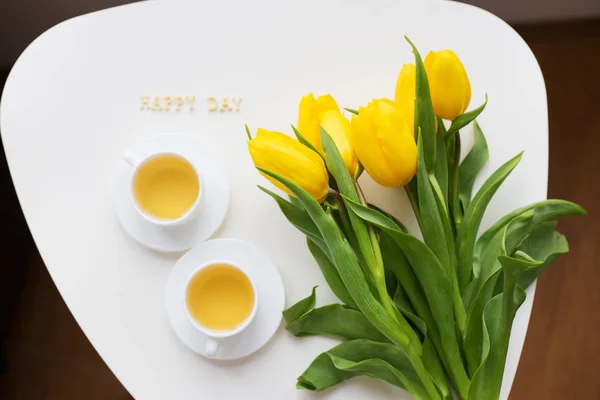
(449, 84)
(279, 153)
(405, 93)
(384, 143)
(310, 114)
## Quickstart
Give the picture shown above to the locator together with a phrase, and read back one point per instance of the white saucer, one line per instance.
(215, 196)
(270, 293)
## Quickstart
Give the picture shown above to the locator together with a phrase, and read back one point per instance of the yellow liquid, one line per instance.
(166, 186)
(220, 297)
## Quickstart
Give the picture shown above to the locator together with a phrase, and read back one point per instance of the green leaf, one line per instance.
(354, 280)
(337, 168)
(465, 119)
(391, 283)
(435, 368)
(542, 240)
(395, 261)
(453, 149)
(497, 324)
(430, 357)
(483, 289)
(336, 320)
(432, 227)
(301, 308)
(544, 245)
(474, 335)
(343, 220)
(424, 113)
(305, 141)
(471, 166)
(347, 265)
(549, 208)
(403, 303)
(521, 223)
(467, 233)
(437, 231)
(330, 273)
(390, 216)
(366, 239)
(436, 285)
(441, 161)
(350, 110)
(362, 357)
(299, 218)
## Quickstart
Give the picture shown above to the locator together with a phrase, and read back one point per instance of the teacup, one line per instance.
(220, 301)
(165, 187)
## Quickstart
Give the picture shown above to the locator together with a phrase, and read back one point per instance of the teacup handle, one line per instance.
(131, 159)
(211, 347)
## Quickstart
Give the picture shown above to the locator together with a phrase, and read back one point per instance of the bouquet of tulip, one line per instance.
(422, 315)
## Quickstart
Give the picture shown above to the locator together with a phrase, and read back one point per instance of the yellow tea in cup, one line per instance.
(220, 297)
(166, 186)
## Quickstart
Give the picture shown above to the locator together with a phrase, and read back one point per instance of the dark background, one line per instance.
(45, 355)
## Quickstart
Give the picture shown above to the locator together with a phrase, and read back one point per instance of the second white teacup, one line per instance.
(220, 301)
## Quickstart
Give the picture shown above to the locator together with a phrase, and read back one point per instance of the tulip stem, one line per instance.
(248, 132)
(454, 205)
(378, 270)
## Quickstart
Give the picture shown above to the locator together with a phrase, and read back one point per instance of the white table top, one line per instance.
(71, 106)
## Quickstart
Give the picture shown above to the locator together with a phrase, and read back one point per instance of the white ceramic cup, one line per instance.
(136, 163)
(213, 336)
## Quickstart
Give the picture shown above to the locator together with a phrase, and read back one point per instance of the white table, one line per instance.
(71, 106)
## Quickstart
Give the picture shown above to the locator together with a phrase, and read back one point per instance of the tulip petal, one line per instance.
(406, 84)
(310, 112)
(368, 149)
(326, 103)
(398, 146)
(279, 153)
(450, 86)
(307, 120)
(338, 127)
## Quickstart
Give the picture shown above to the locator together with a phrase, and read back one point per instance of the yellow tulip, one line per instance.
(279, 153)
(384, 143)
(405, 93)
(338, 127)
(448, 82)
(310, 113)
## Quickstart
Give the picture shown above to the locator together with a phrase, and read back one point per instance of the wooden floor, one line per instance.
(48, 357)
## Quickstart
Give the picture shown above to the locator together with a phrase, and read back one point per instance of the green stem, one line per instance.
(377, 270)
(349, 234)
(460, 315)
(424, 376)
(454, 205)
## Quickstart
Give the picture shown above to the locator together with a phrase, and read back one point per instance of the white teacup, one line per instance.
(226, 279)
(168, 182)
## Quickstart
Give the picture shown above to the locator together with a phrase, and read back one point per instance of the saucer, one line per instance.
(215, 196)
(269, 288)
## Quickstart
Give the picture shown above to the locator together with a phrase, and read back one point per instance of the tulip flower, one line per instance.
(384, 143)
(448, 82)
(279, 153)
(338, 127)
(310, 114)
(405, 93)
